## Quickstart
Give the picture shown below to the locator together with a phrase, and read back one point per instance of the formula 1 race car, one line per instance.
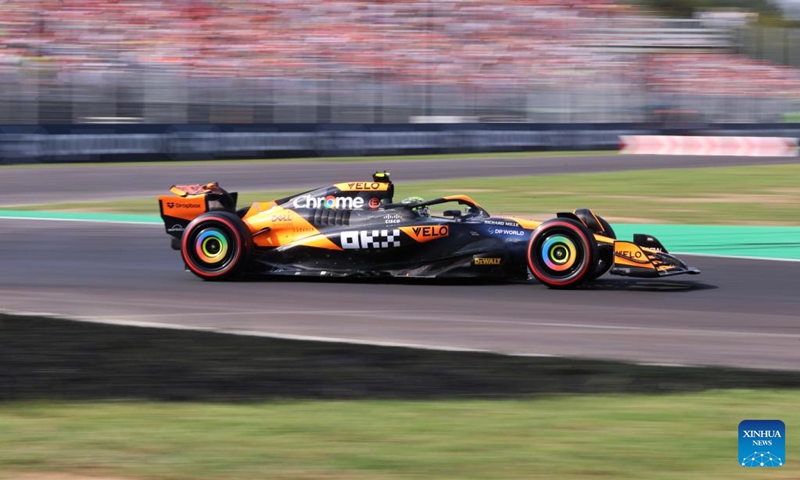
(355, 229)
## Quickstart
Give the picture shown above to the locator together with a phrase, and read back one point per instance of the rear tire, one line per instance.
(216, 245)
(562, 253)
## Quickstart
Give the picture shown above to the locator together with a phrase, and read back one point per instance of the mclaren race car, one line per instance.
(355, 229)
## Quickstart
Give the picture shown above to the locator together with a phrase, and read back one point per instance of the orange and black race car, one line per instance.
(355, 229)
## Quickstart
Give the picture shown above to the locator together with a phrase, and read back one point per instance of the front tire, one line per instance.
(216, 245)
(562, 253)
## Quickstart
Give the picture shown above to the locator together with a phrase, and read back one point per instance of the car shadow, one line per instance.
(383, 280)
(602, 284)
(646, 285)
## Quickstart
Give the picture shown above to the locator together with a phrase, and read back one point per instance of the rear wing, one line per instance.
(190, 201)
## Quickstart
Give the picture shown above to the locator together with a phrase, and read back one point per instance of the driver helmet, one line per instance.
(422, 211)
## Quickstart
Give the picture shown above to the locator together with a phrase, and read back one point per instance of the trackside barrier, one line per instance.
(710, 146)
(152, 142)
(138, 142)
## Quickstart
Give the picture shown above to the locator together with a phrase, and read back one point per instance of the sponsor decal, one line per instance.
(374, 203)
(506, 231)
(762, 443)
(629, 254)
(370, 239)
(487, 261)
(176, 228)
(390, 218)
(186, 209)
(184, 205)
(364, 186)
(282, 217)
(330, 202)
(427, 233)
(501, 223)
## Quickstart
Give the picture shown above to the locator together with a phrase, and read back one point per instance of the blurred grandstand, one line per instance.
(378, 61)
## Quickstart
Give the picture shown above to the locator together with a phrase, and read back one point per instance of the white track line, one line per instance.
(325, 339)
(251, 333)
(381, 343)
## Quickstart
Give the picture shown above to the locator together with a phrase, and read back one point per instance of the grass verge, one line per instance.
(752, 195)
(686, 436)
(336, 411)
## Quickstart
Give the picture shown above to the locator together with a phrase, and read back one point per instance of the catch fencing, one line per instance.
(148, 96)
(19, 144)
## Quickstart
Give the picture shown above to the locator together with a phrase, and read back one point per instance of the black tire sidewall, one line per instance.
(584, 242)
(229, 226)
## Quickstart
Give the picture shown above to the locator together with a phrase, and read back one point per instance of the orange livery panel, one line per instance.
(426, 233)
(631, 253)
(186, 208)
(279, 226)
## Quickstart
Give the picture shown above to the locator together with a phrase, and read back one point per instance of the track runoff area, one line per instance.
(81, 272)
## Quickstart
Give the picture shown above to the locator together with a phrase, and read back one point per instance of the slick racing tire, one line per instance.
(562, 253)
(216, 245)
(605, 252)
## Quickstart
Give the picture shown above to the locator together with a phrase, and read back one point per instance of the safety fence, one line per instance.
(86, 143)
(164, 142)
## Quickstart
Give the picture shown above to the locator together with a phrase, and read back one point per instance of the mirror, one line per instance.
(452, 213)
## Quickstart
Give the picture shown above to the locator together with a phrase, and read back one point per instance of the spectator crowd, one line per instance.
(472, 43)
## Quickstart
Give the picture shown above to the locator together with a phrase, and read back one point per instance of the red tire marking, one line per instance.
(561, 283)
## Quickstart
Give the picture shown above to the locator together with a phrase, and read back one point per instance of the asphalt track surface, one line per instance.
(738, 312)
(71, 183)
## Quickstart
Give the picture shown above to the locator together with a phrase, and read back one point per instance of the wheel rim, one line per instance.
(211, 249)
(211, 246)
(559, 253)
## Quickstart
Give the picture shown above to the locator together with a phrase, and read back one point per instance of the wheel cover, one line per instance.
(559, 253)
(211, 246)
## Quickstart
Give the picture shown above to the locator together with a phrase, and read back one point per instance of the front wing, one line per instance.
(634, 259)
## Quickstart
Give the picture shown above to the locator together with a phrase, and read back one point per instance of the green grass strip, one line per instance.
(752, 195)
(762, 242)
(685, 436)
